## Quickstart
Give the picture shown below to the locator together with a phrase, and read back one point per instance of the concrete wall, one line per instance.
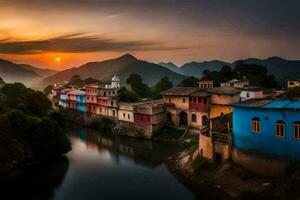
(266, 141)
(206, 147)
(260, 164)
(125, 115)
(219, 110)
(224, 99)
(199, 115)
(180, 102)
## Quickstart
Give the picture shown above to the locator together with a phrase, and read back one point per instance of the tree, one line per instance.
(293, 94)
(137, 85)
(76, 81)
(125, 95)
(163, 84)
(17, 96)
(189, 82)
(226, 73)
(47, 90)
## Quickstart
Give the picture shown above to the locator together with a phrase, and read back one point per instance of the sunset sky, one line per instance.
(60, 34)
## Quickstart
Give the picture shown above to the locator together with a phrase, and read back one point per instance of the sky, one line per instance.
(60, 34)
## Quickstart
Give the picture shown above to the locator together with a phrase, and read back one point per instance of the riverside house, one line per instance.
(187, 106)
(221, 100)
(266, 131)
(63, 98)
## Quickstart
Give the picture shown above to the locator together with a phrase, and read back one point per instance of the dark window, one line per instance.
(194, 118)
(297, 130)
(183, 100)
(199, 99)
(280, 129)
(205, 100)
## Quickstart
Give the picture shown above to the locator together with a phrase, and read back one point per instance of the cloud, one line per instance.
(78, 43)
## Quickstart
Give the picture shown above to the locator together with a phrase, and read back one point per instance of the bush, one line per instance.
(103, 125)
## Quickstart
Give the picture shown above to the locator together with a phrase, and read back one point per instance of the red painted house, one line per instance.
(199, 105)
(91, 98)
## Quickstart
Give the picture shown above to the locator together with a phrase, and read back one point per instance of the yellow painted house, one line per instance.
(222, 99)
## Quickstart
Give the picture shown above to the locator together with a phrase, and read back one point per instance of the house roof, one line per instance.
(180, 91)
(252, 89)
(269, 104)
(200, 93)
(224, 90)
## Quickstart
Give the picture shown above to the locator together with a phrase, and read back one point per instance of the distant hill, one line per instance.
(282, 69)
(12, 72)
(196, 68)
(170, 66)
(41, 72)
(122, 66)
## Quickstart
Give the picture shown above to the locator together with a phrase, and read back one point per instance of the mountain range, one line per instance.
(282, 69)
(122, 66)
(127, 64)
(27, 74)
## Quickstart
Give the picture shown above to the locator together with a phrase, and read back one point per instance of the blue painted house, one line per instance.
(270, 127)
(81, 106)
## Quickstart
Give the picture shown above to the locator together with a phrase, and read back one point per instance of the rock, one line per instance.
(266, 184)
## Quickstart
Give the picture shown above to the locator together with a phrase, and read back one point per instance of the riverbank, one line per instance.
(229, 180)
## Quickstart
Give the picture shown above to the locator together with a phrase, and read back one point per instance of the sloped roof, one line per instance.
(180, 91)
(224, 90)
(270, 104)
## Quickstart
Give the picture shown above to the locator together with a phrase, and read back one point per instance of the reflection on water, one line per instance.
(104, 167)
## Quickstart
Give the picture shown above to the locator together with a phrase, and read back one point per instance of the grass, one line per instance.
(168, 134)
(199, 164)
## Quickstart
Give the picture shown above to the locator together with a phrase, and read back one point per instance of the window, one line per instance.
(194, 118)
(183, 100)
(199, 99)
(191, 99)
(112, 103)
(123, 115)
(128, 116)
(195, 99)
(169, 100)
(297, 130)
(256, 125)
(280, 129)
(142, 118)
(247, 94)
(205, 100)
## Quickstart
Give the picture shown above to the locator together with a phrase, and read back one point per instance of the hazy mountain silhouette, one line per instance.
(12, 72)
(122, 66)
(41, 72)
(282, 69)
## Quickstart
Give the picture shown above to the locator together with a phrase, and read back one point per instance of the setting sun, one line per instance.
(58, 59)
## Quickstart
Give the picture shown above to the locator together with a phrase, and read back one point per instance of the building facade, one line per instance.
(221, 100)
(268, 127)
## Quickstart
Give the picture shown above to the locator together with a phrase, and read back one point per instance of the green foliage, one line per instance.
(163, 84)
(137, 85)
(91, 80)
(293, 94)
(17, 96)
(29, 129)
(256, 74)
(168, 134)
(199, 164)
(125, 95)
(76, 81)
(102, 124)
(47, 90)
(189, 82)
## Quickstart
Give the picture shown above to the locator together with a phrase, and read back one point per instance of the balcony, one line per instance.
(222, 136)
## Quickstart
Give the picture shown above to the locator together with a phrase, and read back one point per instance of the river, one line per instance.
(100, 166)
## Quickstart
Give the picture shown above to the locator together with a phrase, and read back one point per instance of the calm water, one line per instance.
(103, 167)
